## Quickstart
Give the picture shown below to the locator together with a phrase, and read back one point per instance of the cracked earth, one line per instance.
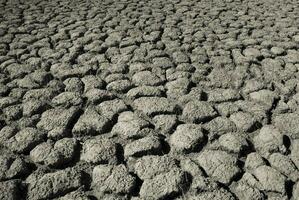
(146, 100)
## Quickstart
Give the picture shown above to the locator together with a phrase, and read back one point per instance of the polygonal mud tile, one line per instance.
(50, 185)
(99, 150)
(186, 138)
(198, 111)
(164, 185)
(154, 105)
(57, 121)
(144, 146)
(90, 123)
(54, 154)
(219, 165)
(116, 179)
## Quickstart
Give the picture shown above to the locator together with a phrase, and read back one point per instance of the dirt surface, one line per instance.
(153, 99)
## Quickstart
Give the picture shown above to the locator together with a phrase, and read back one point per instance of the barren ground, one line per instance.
(146, 100)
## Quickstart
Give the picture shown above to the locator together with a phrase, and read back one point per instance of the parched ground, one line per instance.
(152, 99)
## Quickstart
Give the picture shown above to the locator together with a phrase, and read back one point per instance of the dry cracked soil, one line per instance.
(149, 99)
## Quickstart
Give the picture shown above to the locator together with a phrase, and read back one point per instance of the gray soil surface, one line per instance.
(152, 99)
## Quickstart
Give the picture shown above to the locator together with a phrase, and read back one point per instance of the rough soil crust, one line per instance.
(146, 100)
